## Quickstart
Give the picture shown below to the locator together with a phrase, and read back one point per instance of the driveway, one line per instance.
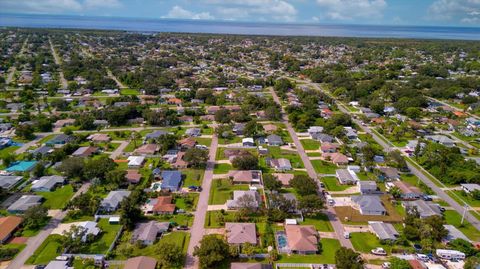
(118, 151)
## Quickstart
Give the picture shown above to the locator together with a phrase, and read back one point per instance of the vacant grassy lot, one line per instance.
(222, 190)
(332, 184)
(222, 168)
(310, 144)
(48, 250)
(323, 167)
(320, 221)
(365, 242)
(57, 199)
(176, 219)
(329, 246)
(454, 218)
(193, 177)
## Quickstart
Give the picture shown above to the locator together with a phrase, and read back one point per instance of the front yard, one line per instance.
(332, 184)
(59, 198)
(222, 190)
(323, 167)
(365, 242)
(320, 221)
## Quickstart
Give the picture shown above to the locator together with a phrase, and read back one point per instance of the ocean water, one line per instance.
(244, 28)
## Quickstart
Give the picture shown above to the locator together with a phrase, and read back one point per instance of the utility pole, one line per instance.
(463, 215)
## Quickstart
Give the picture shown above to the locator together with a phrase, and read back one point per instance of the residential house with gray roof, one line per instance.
(369, 205)
(113, 200)
(24, 203)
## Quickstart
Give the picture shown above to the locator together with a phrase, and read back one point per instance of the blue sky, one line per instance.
(382, 12)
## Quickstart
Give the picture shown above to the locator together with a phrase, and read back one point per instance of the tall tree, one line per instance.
(212, 252)
(346, 258)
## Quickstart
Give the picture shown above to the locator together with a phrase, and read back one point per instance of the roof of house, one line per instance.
(193, 131)
(302, 237)
(114, 198)
(424, 209)
(8, 225)
(164, 204)
(240, 233)
(99, 137)
(90, 228)
(60, 139)
(367, 185)
(141, 262)
(281, 163)
(345, 175)
(147, 149)
(471, 186)
(239, 193)
(7, 182)
(270, 127)
(42, 150)
(133, 176)
(249, 265)
(171, 179)
(84, 151)
(148, 231)
(336, 157)
(47, 182)
(384, 231)
(389, 172)
(135, 160)
(58, 265)
(284, 178)
(156, 134)
(187, 142)
(368, 203)
(274, 139)
(245, 175)
(25, 202)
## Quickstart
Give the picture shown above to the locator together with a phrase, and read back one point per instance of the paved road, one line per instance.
(420, 173)
(58, 61)
(34, 242)
(330, 212)
(10, 75)
(198, 227)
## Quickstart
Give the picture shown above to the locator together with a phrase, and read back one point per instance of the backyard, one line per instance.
(323, 167)
(329, 246)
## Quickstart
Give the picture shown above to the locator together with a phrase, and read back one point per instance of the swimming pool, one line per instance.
(282, 242)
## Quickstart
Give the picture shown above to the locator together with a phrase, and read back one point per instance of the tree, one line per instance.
(212, 252)
(86, 202)
(253, 128)
(8, 159)
(39, 170)
(222, 116)
(310, 204)
(271, 182)
(73, 239)
(169, 254)
(130, 211)
(396, 263)
(247, 203)
(346, 258)
(395, 192)
(166, 142)
(72, 167)
(85, 122)
(471, 262)
(304, 185)
(35, 217)
(98, 168)
(196, 157)
(116, 177)
(245, 162)
(134, 136)
(24, 131)
(248, 249)
(463, 246)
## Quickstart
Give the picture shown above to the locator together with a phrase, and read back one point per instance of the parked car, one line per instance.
(182, 228)
(379, 252)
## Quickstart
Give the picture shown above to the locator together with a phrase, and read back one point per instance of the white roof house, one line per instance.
(90, 228)
(135, 161)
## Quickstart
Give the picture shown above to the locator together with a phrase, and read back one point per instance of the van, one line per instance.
(346, 235)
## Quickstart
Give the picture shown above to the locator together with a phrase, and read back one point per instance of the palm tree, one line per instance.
(134, 136)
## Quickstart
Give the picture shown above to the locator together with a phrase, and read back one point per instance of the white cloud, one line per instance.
(353, 9)
(55, 6)
(278, 10)
(464, 11)
(177, 12)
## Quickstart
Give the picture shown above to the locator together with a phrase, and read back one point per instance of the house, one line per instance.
(163, 205)
(351, 133)
(274, 140)
(147, 232)
(141, 262)
(233, 153)
(179, 162)
(133, 176)
(469, 188)
(270, 128)
(63, 123)
(424, 208)
(238, 196)
(441, 139)
(193, 132)
(367, 187)
(284, 178)
(187, 143)
(454, 233)
(249, 265)
(155, 134)
(336, 158)
(8, 182)
(171, 180)
(42, 151)
(346, 176)
(245, 176)
(248, 142)
(99, 138)
(8, 226)
(323, 138)
(47, 183)
(369, 205)
(315, 130)
(90, 229)
(59, 265)
(60, 139)
(100, 123)
(24, 203)
(85, 151)
(384, 231)
(302, 239)
(135, 161)
(170, 156)
(113, 200)
(241, 233)
(146, 149)
(238, 128)
(389, 173)
(327, 147)
(280, 164)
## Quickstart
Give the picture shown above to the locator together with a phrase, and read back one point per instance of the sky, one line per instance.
(376, 12)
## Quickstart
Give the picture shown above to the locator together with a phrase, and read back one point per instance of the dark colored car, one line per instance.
(182, 228)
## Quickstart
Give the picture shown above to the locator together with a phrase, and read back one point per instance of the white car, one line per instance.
(379, 252)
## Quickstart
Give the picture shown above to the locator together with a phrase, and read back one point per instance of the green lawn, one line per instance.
(314, 154)
(222, 168)
(193, 177)
(456, 195)
(222, 190)
(454, 218)
(323, 167)
(102, 243)
(310, 144)
(320, 221)
(131, 146)
(8, 150)
(59, 198)
(329, 246)
(177, 219)
(48, 250)
(203, 141)
(212, 219)
(331, 183)
(365, 242)
(292, 156)
(128, 92)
